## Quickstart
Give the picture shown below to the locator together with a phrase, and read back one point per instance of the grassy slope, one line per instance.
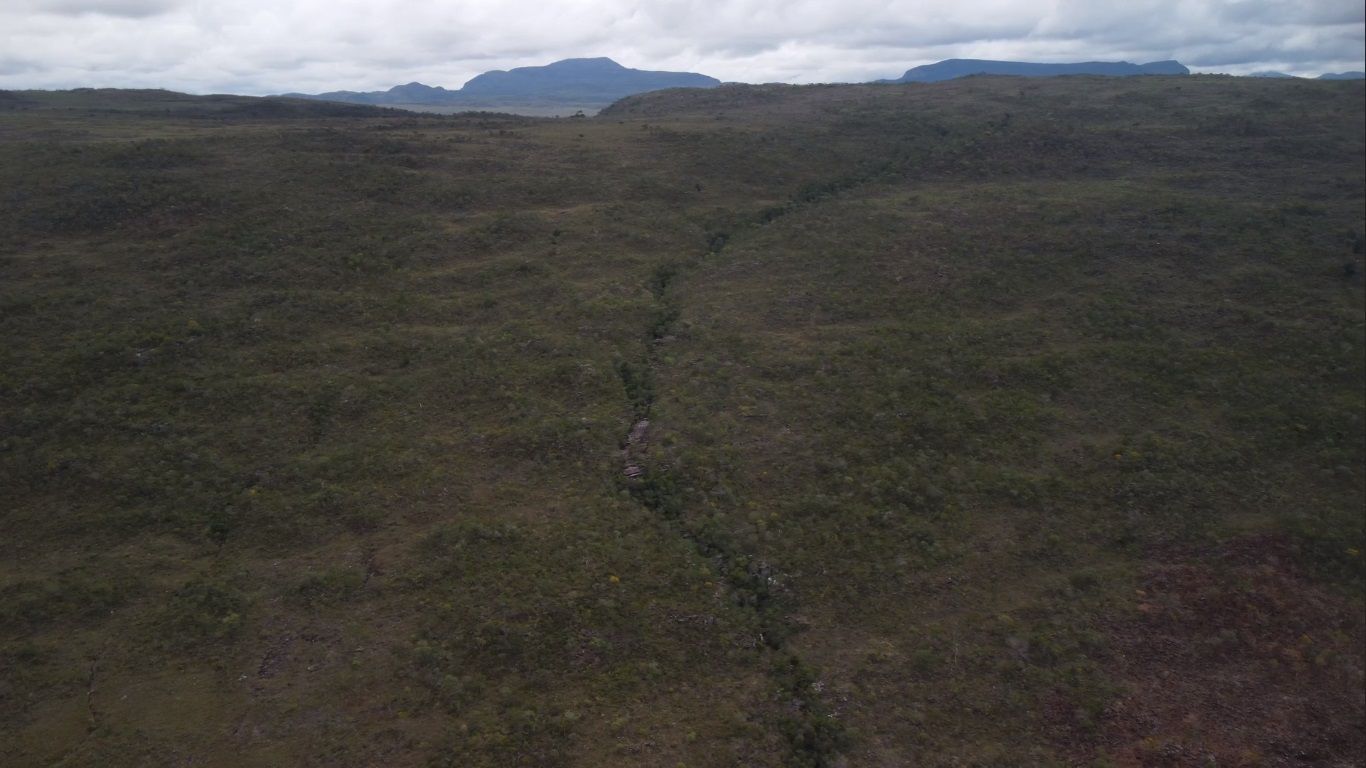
(961, 396)
(964, 403)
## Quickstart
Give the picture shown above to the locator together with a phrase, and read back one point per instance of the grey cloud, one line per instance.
(131, 9)
(1316, 12)
(16, 66)
(270, 46)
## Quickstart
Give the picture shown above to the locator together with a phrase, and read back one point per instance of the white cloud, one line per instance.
(270, 46)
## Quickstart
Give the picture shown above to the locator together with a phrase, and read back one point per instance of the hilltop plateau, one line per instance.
(996, 421)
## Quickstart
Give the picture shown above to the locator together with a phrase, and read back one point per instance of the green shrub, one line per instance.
(202, 611)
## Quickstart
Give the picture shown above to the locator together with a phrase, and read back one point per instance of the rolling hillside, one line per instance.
(990, 422)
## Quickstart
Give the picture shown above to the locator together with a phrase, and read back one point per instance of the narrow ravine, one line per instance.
(814, 737)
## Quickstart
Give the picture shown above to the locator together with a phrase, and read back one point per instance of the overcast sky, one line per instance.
(272, 46)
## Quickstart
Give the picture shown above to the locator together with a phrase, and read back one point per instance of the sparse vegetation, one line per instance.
(963, 416)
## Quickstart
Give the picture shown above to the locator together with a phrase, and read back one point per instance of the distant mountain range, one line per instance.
(584, 82)
(1324, 76)
(595, 83)
(950, 69)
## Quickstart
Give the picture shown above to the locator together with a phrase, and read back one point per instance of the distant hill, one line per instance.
(950, 69)
(1325, 76)
(578, 79)
(597, 81)
(412, 93)
(159, 102)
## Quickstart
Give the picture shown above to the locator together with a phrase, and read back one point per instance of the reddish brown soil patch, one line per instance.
(1237, 658)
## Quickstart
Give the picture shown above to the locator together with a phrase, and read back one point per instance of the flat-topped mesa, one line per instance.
(600, 77)
(950, 69)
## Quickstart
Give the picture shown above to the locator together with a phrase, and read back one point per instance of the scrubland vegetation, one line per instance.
(991, 422)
